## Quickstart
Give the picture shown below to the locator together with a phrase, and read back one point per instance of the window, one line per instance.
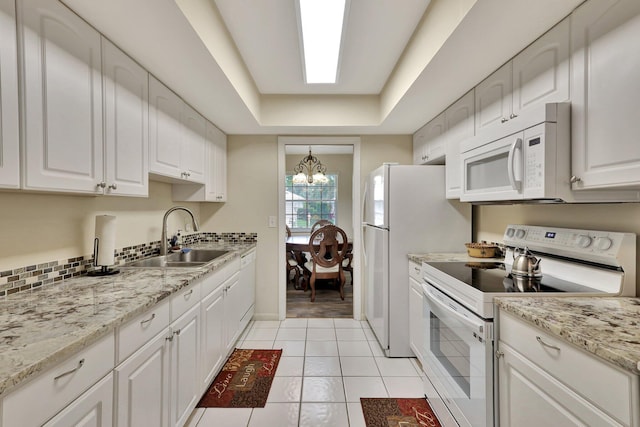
(307, 203)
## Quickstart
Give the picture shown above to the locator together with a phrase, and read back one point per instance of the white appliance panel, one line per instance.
(376, 242)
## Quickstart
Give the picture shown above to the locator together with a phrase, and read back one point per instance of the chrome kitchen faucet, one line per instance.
(163, 238)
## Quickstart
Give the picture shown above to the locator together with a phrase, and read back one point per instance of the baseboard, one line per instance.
(266, 316)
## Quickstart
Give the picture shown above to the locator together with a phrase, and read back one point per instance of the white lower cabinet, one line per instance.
(60, 386)
(232, 312)
(142, 385)
(184, 382)
(212, 331)
(546, 381)
(158, 385)
(93, 409)
(415, 310)
(154, 369)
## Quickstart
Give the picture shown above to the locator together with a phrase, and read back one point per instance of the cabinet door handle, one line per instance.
(70, 371)
(113, 186)
(188, 294)
(153, 316)
(547, 345)
(176, 332)
(513, 116)
(101, 184)
(574, 179)
(169, 338)
(504, 120)
(499, 354)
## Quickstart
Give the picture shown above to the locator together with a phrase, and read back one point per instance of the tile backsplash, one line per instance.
(34, 276)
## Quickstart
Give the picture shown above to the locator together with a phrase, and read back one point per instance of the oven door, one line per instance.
(494, 171)
(458, 352)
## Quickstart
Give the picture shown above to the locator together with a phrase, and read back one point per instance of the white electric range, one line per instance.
(459, 310)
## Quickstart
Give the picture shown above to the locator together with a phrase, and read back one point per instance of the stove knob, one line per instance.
(520, 233)
(603, 243)
(510, 232)
(583, 241)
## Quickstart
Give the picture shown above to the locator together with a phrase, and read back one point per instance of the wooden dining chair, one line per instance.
(320, 223)
(292, 265)
(327, 246)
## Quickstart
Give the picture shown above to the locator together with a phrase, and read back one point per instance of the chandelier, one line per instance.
(310, 171)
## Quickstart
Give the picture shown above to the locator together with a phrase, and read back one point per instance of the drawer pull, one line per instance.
(547, 345)
(188, 294)
(153, 316)
(70, 371)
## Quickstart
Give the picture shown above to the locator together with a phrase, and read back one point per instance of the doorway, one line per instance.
(341, 156)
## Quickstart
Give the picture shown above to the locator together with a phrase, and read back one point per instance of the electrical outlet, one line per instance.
(273, 223)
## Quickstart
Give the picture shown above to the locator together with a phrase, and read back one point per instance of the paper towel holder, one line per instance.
(104, 241)
(104, 269)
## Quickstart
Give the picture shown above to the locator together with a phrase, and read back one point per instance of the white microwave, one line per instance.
(526, 158)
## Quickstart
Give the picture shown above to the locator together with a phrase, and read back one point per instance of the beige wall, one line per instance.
(341, 164)
(490, 221)
(37, 228)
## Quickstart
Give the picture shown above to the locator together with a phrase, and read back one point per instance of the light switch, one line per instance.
(273, 223)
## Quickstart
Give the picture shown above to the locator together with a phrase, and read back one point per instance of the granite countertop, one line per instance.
(41, 328)
(449, 257)
(604, 326)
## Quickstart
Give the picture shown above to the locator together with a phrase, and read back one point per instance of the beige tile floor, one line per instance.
(326, 366)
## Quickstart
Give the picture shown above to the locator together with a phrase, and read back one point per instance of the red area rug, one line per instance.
(244, 381)
(398, 413)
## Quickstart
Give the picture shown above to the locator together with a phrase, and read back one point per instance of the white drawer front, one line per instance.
(212, 281)
(40, 399)
(581, 372)
(140, 330)
(415, 271)
(184, 300)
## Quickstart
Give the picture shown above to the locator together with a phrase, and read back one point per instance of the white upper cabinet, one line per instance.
(541, 71)
(459, 126)
(605, 88)
(165, 130)
(177, 144)
(9, 142)
(215, 186)
(537, 75)
(62, 95)
(217, 176)
(494, 98)
(194, 144)
(126, 115)
(428, 142)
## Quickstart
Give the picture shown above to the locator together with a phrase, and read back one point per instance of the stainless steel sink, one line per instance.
(191, 258)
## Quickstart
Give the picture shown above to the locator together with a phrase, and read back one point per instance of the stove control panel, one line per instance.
(590, 245)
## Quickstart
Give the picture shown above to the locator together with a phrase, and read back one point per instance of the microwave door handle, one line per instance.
(516, 183)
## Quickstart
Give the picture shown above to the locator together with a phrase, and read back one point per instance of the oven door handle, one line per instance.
(476, 324)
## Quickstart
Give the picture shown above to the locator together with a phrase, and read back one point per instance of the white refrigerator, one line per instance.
(405, 211)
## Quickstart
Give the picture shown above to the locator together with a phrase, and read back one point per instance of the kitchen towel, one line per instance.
(106, 239)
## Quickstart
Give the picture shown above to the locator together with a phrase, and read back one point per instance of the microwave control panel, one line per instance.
(534, 155)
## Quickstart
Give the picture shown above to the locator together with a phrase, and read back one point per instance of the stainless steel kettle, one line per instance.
(525, 264)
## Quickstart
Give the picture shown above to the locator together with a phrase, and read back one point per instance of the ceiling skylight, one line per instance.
(321, 27)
